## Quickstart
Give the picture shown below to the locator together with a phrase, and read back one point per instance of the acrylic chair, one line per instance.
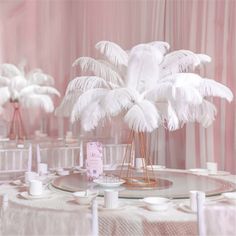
(218, 219)
(59, 156)
(113, 154)
(14, 162)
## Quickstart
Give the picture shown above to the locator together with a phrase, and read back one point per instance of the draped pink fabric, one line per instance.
(52, 34)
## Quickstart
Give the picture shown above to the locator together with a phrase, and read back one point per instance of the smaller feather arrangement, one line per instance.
(147, 85)
(28, 90)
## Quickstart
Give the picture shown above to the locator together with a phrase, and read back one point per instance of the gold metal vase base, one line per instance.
(141, 178)
(17, 131)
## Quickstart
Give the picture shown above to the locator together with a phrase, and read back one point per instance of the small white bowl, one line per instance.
(83, 197)
(230, 197)
(156, 203)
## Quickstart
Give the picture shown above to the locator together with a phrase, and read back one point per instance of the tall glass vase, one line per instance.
(17, 130)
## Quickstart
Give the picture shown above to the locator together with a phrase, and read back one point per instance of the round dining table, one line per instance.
(59, 214)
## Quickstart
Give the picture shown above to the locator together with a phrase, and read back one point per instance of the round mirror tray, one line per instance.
(170, 184)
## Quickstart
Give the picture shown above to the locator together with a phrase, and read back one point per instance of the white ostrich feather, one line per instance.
(119, 99)
(208, 87)
(182, 61)
(91, 116)
(9, 70)
(186, 94)
(142, 117)
(173, 91)
(113, 52)
(160, 92)
(161, 46)
(39, 78)
(4, 81)
(204, 113)
(84, 83)
(85, 100)
(67, 104)
(4, 95)
(143, 71)
(99, 69)
(17, 83)
(172, 119)
(37, 100)
(153, 88)
(36, 89)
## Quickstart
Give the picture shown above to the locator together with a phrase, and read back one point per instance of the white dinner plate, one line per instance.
(103, 183)
(46, 194)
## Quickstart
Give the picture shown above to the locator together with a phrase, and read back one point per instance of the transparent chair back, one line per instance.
(61, 157)
(113, 154)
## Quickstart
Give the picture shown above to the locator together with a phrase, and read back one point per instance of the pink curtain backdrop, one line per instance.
(52, 34)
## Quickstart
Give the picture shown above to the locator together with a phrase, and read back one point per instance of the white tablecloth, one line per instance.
(61, 216)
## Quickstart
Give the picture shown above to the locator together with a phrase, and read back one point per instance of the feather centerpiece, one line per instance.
(146, 86)
(25, 90)
(152, 76)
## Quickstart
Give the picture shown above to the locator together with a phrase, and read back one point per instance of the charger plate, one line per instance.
(171, 184)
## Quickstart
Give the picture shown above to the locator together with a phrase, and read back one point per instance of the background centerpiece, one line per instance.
(148, 88)
(24, 90)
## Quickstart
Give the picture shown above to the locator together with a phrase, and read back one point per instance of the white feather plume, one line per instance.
(9, 70)
(99, 69)
(154, 88)
(143, 70)
(91, 116)
(204, 113)
(117, 100)
(36, 89)
(84, 83)
(66, 106)
(113, 52)
(208, 87)
(142, 117)
(4, 81)
(172, 119)
(85, 100)
(37, 100)
(161, 46)
(182, 61)
(4, 95)
(38, 77)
